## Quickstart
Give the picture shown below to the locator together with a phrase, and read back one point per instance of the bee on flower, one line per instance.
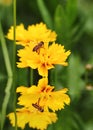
(36, 102)
(43, 95)
(38, 46)
(34, 118)
(48, 56)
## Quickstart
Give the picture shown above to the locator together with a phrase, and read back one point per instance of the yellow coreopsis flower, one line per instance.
(34, 33)
(33, 117)
(43, 96)
(45, 59)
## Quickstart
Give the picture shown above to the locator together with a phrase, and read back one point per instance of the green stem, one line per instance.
(30, 76)
(5, 53)
(51, 77)
(9, 72)
(14, 62)
(5, 101)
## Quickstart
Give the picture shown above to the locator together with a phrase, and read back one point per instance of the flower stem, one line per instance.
(9, 72)
(31, 73)
(30, 76)
(5, 53)
(14, 62)
(5, 101)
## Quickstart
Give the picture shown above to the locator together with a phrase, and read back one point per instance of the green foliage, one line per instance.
(68, 29)
(45, 13)
(68, 119)
(75, 82)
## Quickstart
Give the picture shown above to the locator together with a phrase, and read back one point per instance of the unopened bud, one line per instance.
(89, 66)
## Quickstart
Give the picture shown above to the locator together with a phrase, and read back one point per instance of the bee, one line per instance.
(37, 107)
(38, 46)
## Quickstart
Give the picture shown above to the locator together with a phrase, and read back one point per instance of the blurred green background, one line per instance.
(73, 22)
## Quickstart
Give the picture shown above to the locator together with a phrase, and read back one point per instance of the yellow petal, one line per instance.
(58, 100)
(35, 119)
(34, 33)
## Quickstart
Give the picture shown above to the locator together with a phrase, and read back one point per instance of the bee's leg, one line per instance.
(38, 101)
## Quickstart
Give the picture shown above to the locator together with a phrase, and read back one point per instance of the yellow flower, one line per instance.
(33, 118)
(43, 96)
(43, 60)
(34, 33)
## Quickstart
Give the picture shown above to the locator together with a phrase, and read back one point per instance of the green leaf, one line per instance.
(77, 31)
(71, 11)
(45, 13)
(59, 18)
(89, 125)
(68, 120)
(89, 24)
(61, 25)
(75, 71)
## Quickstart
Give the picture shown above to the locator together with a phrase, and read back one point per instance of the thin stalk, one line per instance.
(51, 77)
(14, 62)
(5, 53)
(30, 76)
(5, 101)
(9, 72)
